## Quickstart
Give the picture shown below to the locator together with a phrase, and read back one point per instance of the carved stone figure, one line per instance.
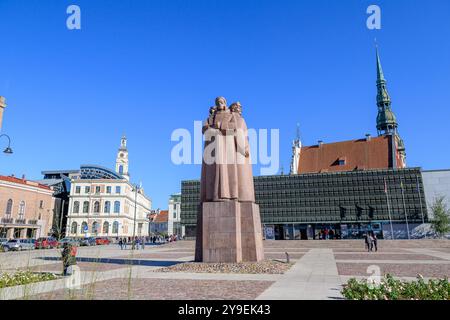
(228, 221)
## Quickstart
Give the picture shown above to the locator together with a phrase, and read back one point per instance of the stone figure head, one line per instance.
(221, 103)
(236, 107)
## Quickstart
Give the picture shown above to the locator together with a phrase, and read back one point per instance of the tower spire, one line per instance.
(386, 120)
(122, 159)
(296, 148)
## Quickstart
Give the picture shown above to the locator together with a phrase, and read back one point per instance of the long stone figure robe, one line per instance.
(219, 171)
(244, 165)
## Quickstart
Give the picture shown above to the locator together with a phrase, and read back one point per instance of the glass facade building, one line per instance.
(335, 205)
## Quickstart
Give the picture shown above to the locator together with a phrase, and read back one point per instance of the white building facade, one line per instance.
(104, 203)
(174, 215)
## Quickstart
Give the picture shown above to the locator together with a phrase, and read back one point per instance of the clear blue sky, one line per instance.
(145, 68)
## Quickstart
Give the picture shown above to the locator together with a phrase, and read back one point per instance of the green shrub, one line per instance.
(23, 277)
(392, 289)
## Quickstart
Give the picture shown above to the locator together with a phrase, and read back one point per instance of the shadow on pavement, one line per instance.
(134, 262)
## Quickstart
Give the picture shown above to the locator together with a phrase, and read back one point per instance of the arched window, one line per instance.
(115, 228)
(21, 209)
(74, 228)
(96, 207)
(106, 227)
(8, 211)
(86, 207)
(107, 207)
(95, 227)
(76, 207)
(84, 227)
(116, 206)
(121, 169)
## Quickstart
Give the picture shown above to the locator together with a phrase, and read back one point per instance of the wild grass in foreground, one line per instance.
(392, 289)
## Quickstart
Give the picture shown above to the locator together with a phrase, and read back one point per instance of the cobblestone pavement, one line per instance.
(165, 289)
(401, 258)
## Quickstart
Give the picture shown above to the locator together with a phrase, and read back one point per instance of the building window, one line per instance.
(8, 211)
(74, 228)
(76, 207)
(96, 207)
(97, 189)
(21, 210)
(86, 207)
(118, 189)
(41, 204)
(121, 169)
(84, 227)
(95, 227)
(106, 227)
(87, 189)
(78, 189)
(115, 228)
(108, 189)
(107, 207)
(174, 214)
(116, 206)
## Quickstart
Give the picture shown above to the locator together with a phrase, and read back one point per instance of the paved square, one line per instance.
(318, 272)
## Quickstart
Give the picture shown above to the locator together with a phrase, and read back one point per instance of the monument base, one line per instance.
(231, 232)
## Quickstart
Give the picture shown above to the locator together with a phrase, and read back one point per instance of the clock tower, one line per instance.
(122, 159)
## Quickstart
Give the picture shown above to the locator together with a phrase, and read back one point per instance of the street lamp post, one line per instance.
(8, 149)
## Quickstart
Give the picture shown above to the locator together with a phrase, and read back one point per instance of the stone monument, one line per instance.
(228, 221)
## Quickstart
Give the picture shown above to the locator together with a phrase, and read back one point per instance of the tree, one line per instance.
(441, 220)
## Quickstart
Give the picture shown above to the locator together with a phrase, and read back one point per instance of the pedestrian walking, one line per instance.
(124, 243)
(375, 240)
(120, 244)
(143, 243)
(369, 242)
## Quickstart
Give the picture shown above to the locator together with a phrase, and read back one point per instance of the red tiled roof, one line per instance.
(25, 182)
(356, 154)
(162, 217)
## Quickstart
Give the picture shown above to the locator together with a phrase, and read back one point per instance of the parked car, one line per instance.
(89, 241)
(72, 241)
(46, 242)
(3, 241)
(102, 240)
(19, 244)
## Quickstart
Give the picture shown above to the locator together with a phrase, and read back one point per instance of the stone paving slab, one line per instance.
(384, 256)
(400, 270)
(164, 289)
(313, 277)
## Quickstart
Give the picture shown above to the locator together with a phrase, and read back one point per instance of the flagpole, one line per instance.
(404, 208)
(420, 198)
(389, 208)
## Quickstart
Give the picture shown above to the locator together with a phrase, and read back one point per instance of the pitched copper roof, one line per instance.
(349, 155)
(162, 217)
(25, 182)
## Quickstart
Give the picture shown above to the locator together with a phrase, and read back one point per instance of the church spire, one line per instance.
(296, 148)
(386, 120)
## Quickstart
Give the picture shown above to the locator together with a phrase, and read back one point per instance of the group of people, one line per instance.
(137, 242)
(371, 241)
(328, 234)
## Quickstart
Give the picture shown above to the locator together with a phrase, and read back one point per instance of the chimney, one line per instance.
(320, 142)
(368, 137)
(23, 177)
